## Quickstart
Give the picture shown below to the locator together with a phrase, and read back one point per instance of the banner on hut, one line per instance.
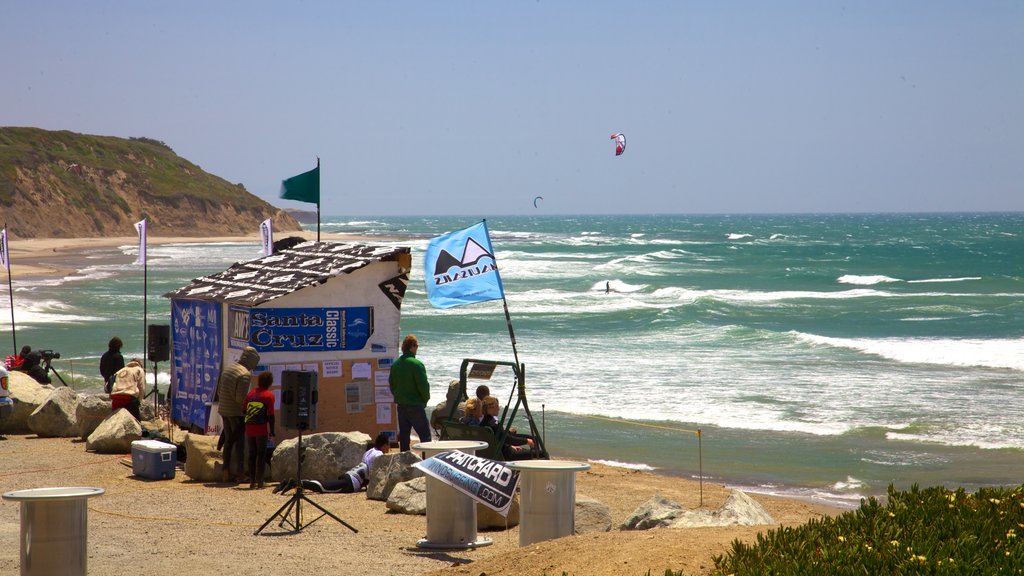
(196, 329)
(300, 329)
(488, 482)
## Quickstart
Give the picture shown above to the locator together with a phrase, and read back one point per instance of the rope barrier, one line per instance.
(697, 432)
(19, 472)
(166, 519)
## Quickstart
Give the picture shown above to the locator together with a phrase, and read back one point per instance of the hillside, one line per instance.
(68, 185)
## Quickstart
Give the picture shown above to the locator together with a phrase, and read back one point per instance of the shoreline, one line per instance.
(57, 257)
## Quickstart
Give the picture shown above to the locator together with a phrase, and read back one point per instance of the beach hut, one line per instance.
(325, 307)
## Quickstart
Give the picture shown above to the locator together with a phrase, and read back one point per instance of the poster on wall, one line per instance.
(300, 329)
(196, 334)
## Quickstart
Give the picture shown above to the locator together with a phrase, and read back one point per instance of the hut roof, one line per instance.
(307, 264)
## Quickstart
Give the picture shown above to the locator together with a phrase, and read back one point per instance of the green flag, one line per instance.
(305, 187)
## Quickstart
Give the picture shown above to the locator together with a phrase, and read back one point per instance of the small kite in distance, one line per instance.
(535, 200)
(620, 143)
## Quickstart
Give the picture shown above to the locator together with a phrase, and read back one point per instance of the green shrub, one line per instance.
(931, 531)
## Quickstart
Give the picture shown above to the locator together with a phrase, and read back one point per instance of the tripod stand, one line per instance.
(50, 368)
(155, 393)
(295, 502)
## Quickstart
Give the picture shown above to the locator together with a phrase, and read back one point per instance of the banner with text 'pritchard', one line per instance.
(488, 482)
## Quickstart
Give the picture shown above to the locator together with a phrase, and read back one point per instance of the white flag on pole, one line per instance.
(140, 227)
(267, 236)
(3, 249)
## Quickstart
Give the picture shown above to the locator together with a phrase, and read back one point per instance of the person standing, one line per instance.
(232, 386)
(409, 386)
(128, 388)
(259, 425)
(111, 362)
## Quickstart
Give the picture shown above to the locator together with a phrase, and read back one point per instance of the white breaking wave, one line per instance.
(865, 280)
(627, 465)
(929, 280)
(994, 353)
(738, 236)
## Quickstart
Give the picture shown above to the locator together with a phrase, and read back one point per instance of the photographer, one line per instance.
(33, 368)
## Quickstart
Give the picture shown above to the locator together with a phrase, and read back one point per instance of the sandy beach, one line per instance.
(179, 526)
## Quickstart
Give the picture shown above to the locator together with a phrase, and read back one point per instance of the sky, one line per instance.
(474, 108)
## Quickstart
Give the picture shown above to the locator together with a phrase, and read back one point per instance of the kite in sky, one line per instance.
(535, 200)
(620, 143)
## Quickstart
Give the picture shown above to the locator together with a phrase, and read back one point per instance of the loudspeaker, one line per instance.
(159, 341)
(299, 399)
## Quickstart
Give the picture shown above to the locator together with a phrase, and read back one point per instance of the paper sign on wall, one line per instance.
(361, 371)
(332, 369)
(383, 413)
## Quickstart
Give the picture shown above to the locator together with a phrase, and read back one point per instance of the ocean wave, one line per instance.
(617, 286)
(46, 312)
(738, 236)
(865, 280)
(990, 353)
(627, 465)
(931, 280)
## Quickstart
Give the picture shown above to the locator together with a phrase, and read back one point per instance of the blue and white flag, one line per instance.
(267, 236)
(140, 227)
(459, 268)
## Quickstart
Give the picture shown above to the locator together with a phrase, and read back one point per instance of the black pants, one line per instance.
(257, 446)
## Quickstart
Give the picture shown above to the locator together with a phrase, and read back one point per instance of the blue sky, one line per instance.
(474, 108)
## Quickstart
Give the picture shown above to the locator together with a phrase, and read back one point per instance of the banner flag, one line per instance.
(460, 268)
(4, 258)
(267, 236)
(488, 482)
(305, 187)
(140, 227)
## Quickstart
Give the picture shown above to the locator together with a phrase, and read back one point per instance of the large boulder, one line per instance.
(115, 434)
(203, 462)
(388, 471)
(27, 395)
(409, 497)
(737, 510)
(55, 417)
(327, 455)
(91, 410)
(591, 515)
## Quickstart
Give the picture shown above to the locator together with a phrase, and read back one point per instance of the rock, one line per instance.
(115, 434)
(27, 395)
(388, 471)
(591, 515)
(328, 455)
(409, 497)
(658, 511)
(488, 519)
(203, 462)
(92, 409)
(55, 417)
(737, 510)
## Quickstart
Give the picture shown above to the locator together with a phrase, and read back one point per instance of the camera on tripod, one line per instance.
(48, 355)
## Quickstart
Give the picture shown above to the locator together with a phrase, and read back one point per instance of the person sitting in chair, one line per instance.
(517, 446)
(474, 412)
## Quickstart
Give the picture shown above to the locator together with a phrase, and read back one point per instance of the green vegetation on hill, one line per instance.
(147, 163)
(60, 183)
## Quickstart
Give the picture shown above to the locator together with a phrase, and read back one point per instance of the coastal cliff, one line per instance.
(67, 185)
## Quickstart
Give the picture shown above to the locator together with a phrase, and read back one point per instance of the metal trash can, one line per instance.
(451, 515)
(547, 508)
(54, 525)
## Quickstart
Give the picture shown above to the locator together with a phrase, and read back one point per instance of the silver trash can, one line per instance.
(54, 526)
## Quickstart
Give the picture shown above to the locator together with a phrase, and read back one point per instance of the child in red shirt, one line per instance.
(259, 424)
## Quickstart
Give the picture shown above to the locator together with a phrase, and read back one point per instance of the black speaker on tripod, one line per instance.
(299, 399)
(159, 343)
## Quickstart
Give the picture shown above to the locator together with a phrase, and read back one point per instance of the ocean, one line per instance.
(818, 356)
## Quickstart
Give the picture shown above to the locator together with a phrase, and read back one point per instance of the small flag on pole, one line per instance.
(140, 227)
(305, 187)
(459, 268)
(4, 258)
(267, 236)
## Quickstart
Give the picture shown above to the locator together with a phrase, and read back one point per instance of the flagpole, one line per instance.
(317, 198)
(10, 289)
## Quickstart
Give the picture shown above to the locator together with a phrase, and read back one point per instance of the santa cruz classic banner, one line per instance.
(300, 329)
(459, 268)
(488, 482)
